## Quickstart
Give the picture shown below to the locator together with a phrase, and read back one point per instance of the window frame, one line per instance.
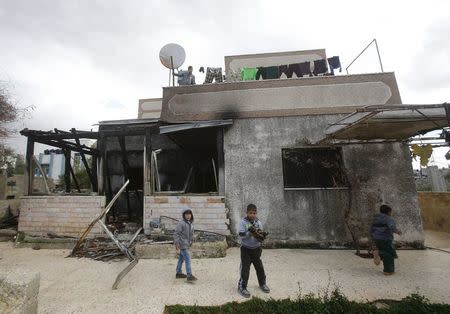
(338, 149)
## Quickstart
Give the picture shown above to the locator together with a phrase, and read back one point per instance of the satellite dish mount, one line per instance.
(172, 56)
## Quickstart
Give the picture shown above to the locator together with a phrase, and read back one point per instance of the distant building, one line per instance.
(52, 162)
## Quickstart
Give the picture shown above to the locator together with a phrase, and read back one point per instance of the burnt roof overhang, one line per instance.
(172, 128)
(388, 122)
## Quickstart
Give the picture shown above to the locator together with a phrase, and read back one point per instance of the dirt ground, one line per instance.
(70, 285)
(437, 239)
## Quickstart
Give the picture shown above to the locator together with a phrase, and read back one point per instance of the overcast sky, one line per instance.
(80, 62)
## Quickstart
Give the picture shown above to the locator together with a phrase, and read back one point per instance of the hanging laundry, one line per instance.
(234, 75)
(249, 74)
(213, 73)
(299, 69)
(305, 69)
(283, 69)
(268, 73)
(334, 63)
(320, 67)
(293, 68)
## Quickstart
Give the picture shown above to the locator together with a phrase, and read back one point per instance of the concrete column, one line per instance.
(437, 179)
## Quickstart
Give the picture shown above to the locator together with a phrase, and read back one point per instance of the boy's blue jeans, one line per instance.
(186, 257)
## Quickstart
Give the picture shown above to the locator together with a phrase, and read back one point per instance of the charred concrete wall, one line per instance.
(377, 173)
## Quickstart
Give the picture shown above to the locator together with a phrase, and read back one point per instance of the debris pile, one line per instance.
(99, 249)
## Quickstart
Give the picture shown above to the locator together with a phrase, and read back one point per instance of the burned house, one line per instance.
(317, 154)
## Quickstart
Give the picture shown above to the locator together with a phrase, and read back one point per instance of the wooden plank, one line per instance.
(220, 162)
(125, 171)
(147, 162)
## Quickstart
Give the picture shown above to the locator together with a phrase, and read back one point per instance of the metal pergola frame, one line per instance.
(363, 115)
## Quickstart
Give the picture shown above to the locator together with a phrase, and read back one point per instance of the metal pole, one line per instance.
(173, 76)
(44, 175)
(170, 74)
(379, 58)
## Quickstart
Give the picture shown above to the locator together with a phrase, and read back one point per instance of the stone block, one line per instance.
(19, 291)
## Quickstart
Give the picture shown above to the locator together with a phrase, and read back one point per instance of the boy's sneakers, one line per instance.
(244, 292)
(180, 275)
(264, 288)
(376, 257)
(191, 278)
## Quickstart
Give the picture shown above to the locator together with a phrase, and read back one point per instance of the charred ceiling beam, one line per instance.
(125, 171)
(122, 132)
(92, 176)
(67, 145)
(29, 169)
(67, 170)
(60, 134)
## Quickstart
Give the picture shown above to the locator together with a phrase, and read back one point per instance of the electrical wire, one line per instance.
(199, 230)
(436, 249)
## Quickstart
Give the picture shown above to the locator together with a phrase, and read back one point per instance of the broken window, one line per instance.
(313, 167)
(186, 161)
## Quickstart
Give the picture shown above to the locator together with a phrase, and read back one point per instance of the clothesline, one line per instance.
(267, 72)
(300, 69)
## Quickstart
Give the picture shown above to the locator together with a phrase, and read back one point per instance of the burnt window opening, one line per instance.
(121, 166)
(309, 168)
(136, 177)
(189, 167)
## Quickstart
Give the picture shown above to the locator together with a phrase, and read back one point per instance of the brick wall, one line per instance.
(63, 215)
(209, 211)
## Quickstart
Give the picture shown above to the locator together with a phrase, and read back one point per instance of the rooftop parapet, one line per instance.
(278, 97)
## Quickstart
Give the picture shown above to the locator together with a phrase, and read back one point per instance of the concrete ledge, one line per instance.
(198, 250)
(26, 241)
(19, 291)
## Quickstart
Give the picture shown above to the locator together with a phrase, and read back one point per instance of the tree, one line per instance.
(19, 167)
(10, 112)
(6, 159)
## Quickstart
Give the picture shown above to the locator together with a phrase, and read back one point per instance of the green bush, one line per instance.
(333, 303)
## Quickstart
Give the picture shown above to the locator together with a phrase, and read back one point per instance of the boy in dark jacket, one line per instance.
(183, 238)
(382, 232)
(250, 231)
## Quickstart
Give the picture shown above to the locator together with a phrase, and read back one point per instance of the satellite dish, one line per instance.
(176, 52)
